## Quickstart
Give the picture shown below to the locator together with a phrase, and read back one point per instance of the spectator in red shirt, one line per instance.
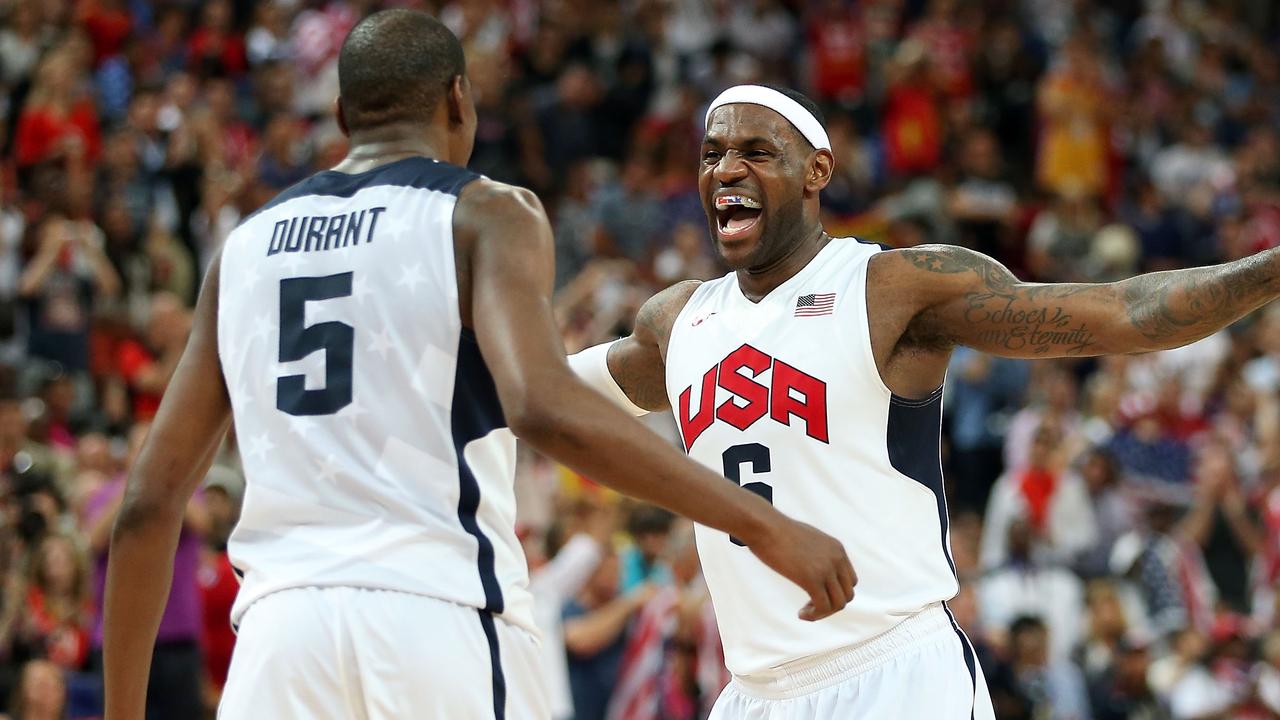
(912, 123)
(59, 123)
(215, 47)
(838, 48)
(108, 23)
(54, 622)
(218, 582)
(147, 366)
(948, 46)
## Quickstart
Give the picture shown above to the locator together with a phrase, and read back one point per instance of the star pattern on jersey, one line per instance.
(258, 445)
(353, 412)
(411, 277)
(395, 229)
(329, 469)
(261, 328)
(249, 278)
(292, 263)
(242, 395)
(380, 342)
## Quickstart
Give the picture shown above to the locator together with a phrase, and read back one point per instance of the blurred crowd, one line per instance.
(1116, 522)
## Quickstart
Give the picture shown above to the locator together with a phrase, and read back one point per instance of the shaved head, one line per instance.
(395, 66)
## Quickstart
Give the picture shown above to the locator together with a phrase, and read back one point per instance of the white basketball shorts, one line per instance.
(922, 669)
(341, 653)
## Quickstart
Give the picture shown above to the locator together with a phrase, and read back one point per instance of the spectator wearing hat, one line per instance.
(218, 579)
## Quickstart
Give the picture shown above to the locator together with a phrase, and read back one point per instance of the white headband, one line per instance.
(794, 112)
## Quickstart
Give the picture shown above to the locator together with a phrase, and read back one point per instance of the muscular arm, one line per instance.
(638, 362)
(509, 302)
(192, 419)
(966, 298)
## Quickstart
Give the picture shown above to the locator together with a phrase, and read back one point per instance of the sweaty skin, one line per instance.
(922, 302)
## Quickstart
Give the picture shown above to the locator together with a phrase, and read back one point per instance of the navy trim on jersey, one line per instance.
(915, 449)
(476, 413)
(882, 246)
(499, 683)
(416, 172)
(235, 627)
(969, 660)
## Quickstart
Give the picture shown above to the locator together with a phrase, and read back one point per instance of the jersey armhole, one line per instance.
(863, 318)
(676, 326)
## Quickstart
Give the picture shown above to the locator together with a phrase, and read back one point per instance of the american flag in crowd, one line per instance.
(815, 304)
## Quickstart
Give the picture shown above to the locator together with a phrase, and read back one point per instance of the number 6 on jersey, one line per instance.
(758, 456)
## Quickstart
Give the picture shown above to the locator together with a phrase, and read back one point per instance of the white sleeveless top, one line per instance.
(783, 396)
(375, 451)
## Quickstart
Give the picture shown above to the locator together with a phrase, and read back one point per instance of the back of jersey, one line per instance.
(374, 447)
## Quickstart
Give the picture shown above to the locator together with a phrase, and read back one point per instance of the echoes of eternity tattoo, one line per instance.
(1004, 314)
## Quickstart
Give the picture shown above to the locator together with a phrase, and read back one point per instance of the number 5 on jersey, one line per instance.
(298, 340)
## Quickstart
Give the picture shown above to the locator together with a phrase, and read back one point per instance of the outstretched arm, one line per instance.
(510, 276)
(966, 298)
(192, 419)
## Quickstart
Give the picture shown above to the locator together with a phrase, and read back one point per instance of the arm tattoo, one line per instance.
(635, 371)
(641, 371)
(1181, 306)
(1003, 313)
(1149, 312)
(641, 384)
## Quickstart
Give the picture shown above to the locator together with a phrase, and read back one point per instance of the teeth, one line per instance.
(725, 201)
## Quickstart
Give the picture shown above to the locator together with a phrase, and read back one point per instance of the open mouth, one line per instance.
(736, 215)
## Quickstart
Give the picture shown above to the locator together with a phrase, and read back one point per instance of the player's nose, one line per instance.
(731, 169)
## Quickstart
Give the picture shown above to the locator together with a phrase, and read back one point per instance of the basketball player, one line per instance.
(373, 331)
(812, 374)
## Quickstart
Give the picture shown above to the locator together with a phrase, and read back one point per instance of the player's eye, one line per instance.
(711, 157)
(757, 154)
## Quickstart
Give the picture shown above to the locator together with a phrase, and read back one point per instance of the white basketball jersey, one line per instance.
(784, 398)
(375, 450)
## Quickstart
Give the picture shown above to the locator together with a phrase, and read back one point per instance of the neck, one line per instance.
(757, 282)
(372, 147)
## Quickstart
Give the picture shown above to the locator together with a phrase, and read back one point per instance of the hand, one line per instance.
(1212, 486)
(640, 596)
(56, 236)
(811, 559)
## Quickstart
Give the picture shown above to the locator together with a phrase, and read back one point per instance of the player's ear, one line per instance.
(456, 99)
(821, 165)
(337, 114)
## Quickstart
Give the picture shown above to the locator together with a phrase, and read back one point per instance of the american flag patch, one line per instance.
(814, 305)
